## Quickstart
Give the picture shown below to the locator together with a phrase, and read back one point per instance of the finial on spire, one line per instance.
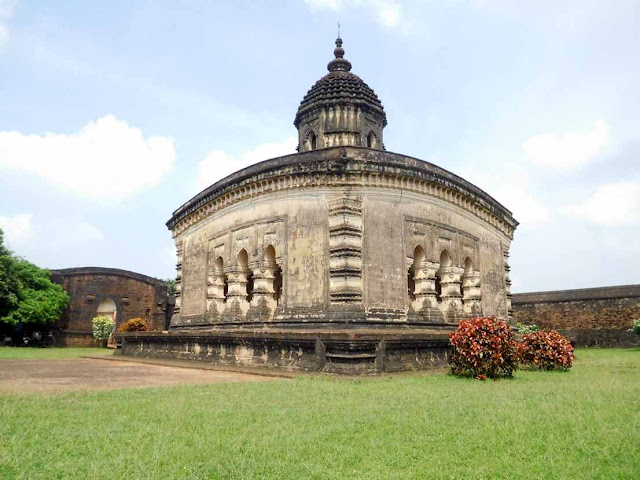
(340, 63)
(339, 51)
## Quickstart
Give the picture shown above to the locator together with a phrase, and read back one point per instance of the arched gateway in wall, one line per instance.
(341, 257)
(118, 294)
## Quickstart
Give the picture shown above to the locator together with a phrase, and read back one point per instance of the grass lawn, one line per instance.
(28, 353)
(579, 424)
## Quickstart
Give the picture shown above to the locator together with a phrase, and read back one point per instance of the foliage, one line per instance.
(171, 286)
(524, 329)
(102, 327)
(134, 325)
(39, 306)
(635, 327)
(27, 294)
(483, 347)
(545, 350)
(9, 286)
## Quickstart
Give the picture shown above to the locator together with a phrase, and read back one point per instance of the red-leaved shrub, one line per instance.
(134, 325)
(483, 347)
(545, 350)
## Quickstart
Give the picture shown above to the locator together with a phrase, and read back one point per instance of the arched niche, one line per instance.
(445, 262)
(468, 266)
(218, 270)
(445, 259)
(372, 141)
(243, 265)
(270, 260)
(419, 257)
(107, 307)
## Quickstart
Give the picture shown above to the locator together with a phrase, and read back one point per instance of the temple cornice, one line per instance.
(343, 166)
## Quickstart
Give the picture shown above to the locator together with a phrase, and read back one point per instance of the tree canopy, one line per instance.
(27, 294)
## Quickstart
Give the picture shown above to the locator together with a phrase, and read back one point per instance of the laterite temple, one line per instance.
(343, 257)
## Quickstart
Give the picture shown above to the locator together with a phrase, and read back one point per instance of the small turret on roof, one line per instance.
(340, 109)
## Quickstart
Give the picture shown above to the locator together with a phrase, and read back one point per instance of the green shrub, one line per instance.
(102, 327)
(483, 347)
(635, 327)
(524, 329)
(545, 350)
(134, 325)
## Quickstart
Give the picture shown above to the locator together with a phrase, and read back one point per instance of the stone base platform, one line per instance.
(350, 349)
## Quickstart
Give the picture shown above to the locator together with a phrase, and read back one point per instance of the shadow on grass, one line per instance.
(467, 376)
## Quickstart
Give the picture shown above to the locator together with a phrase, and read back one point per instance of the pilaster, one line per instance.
(425, 293)
(263, 303)
(451, 296)
(471, 294)
(345, 250)
(237, 304)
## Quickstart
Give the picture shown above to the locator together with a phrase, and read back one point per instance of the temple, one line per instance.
(343, 257)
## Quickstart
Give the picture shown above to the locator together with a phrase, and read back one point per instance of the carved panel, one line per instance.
(345, 249)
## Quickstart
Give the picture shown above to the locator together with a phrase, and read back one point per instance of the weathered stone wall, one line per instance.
(346, 351)
(588, 317)
(134, 295)
(346, 243)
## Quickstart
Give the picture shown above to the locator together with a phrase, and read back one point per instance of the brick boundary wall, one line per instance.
(588, 316)
(134, 295)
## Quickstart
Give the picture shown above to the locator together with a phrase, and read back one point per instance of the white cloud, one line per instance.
(107, 160)
(6, 11)
(22, 232)
(85, 232)
(612, 205)
(511, 186)
(219, 164)
(17, 228)
(387, 12)
(568, 151)
(525, 208)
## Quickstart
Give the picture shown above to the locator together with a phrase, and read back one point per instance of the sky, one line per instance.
(114, 113)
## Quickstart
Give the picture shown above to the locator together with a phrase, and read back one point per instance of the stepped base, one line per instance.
(351, 349)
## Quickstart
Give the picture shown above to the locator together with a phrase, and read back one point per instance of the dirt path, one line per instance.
(47, 376)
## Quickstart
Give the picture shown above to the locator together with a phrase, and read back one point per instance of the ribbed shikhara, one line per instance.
(345, 249)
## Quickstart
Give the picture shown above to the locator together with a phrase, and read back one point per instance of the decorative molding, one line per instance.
(325, 179)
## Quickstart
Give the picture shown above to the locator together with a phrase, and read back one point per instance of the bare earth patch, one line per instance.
(49, 376)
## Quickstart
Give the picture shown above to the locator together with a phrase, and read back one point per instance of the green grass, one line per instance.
(28, 353)
(579, 424)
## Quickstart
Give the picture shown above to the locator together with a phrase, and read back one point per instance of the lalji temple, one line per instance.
(342, 258)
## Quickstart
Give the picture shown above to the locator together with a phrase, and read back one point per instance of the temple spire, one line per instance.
(339, 63)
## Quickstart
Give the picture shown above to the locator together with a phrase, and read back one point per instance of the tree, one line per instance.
(27, 294)
(171, 286)
(9, 285)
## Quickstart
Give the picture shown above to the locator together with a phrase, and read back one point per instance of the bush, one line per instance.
(134, 325)
(483, 347)
(635, 327)
(545, 350)
(524, 329)
(102, 327)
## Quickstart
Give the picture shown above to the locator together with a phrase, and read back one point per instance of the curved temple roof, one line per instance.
(346, 161)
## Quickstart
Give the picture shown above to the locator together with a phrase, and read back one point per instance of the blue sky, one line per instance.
(113, 114)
